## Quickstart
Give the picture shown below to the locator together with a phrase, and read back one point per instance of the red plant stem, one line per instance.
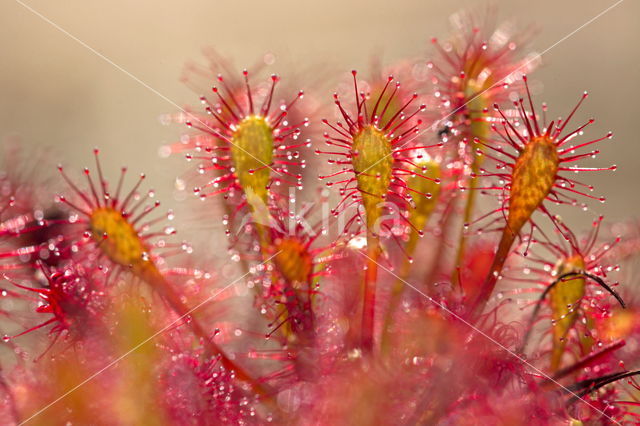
(159, 283)
(589, 360)
(506, 241)
(468, 215)
(396, 292)
(439, 248)
(479, 128)
(263, 239)
(369, 299)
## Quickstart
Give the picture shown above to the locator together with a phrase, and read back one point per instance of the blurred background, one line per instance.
(60, 97)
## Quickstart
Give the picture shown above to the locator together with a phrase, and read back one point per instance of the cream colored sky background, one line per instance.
(56, 93)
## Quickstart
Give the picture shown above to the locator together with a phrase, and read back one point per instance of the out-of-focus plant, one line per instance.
(375, 294)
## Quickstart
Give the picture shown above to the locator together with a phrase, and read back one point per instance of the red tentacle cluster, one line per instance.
(75, 299)
(374, 146)
(233, 104)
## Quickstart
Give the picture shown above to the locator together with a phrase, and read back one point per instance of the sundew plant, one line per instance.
(398, 244)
